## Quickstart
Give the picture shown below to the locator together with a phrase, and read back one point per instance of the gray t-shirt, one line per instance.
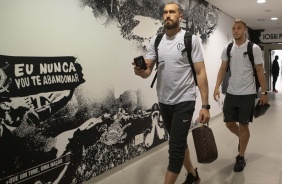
(175, 82)
(242, 80)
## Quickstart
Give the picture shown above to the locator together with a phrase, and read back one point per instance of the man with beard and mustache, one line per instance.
(176, 90)
(239, 101)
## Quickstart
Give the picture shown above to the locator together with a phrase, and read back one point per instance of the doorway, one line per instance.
(272, 54)
(268, 51)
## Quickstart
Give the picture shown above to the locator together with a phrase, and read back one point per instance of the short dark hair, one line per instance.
(180, 9)
(276, 57)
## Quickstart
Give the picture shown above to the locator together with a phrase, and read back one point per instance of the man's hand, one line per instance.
(216, 94)
(138, 70)
(263, 99)
(204, 116)
(144, 73)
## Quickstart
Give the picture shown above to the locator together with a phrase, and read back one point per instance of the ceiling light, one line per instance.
(261, 1)
(274, 18)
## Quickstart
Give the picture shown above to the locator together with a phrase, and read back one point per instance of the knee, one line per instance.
(244, 128)
(231, 126)
(176, 157)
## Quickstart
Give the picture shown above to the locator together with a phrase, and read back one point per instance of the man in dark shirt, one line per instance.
(275, 73)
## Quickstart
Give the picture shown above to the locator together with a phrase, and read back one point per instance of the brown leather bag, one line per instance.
(205, 145)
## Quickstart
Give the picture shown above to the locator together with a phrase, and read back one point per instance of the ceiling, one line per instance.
(257, 16)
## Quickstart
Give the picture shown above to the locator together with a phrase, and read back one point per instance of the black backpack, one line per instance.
(188, 49)
(225, 81)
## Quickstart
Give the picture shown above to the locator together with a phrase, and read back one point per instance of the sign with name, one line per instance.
(270, 36)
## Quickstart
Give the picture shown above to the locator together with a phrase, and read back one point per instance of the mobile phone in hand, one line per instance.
(140, 61)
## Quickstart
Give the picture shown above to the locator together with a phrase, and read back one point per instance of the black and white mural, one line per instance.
(70, 105)
(200, 17)
(51, 134)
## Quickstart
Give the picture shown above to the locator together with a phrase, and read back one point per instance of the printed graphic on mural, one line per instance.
(200, 17)
(51, 133)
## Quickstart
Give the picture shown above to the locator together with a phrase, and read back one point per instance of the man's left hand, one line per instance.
(263, 99)
(204, 116)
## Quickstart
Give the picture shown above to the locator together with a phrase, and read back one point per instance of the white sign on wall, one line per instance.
(270, 36)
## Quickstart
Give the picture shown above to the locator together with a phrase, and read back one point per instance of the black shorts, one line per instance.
(239, 108)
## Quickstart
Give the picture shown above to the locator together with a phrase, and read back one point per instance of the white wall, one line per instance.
(212, 54)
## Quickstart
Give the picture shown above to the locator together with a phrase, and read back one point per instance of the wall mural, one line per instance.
(200, 17)
(50, 130)
(51, 133)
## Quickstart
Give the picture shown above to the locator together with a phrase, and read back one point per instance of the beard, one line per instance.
(170, 24)
(238, 36)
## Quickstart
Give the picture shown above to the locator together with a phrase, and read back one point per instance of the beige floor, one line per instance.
(263, 155)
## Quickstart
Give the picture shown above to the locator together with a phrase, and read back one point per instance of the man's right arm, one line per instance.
(145, 73)
(220, 77)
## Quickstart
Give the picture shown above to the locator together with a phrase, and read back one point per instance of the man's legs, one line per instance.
(178, 126)
(230, 113)
(274, 83)
(233, 127)
(188, 164)
(171, 177)
(239, 109)
(244, 136)
(242, 132)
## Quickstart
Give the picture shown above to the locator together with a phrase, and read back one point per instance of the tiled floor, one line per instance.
(263, 155)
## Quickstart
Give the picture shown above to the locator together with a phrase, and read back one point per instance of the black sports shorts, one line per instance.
(239, 108)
